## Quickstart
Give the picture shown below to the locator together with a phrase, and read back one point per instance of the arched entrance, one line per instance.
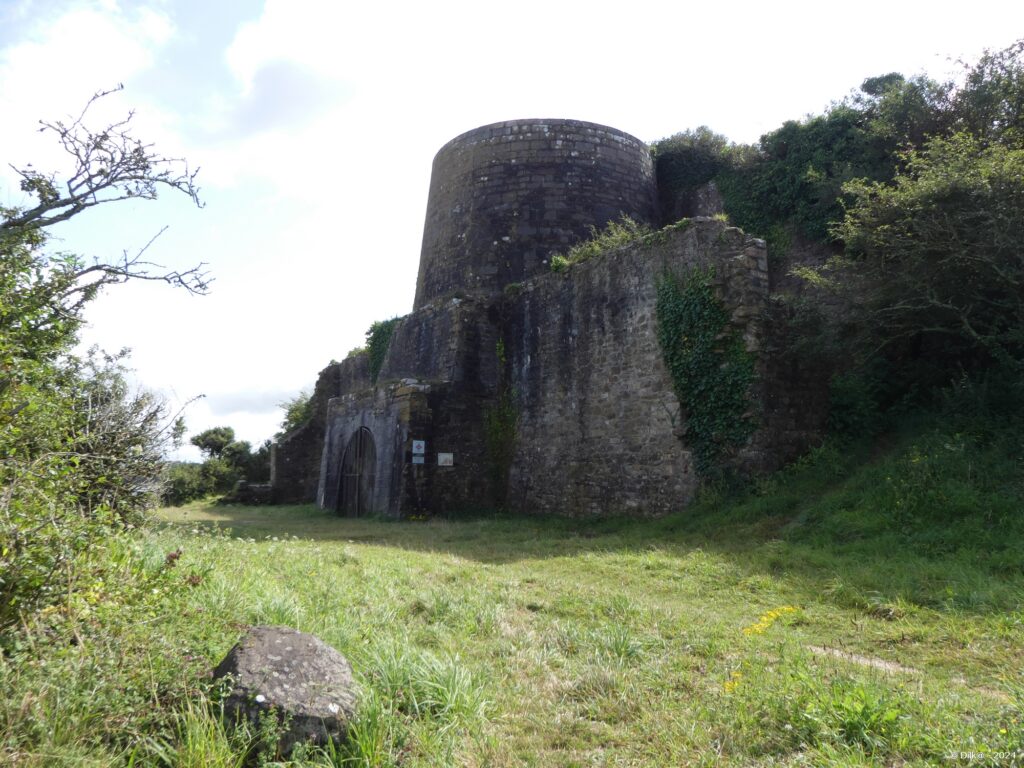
(358, 469)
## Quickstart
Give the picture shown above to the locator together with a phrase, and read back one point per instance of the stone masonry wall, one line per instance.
(599, 427)
(446, 417)
(387, 418)
(504, 197)
(295, 465)
(449, 340)
(440, 372)
(599, 422)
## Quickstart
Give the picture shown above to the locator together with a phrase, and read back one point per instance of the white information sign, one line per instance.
(446, 459)
(419, 447)
(418, 459)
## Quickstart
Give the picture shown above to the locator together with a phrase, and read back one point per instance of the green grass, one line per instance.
(861, 608)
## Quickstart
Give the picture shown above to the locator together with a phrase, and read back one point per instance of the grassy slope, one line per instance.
(848, 612)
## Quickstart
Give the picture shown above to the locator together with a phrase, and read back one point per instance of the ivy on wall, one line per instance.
(711, 370)
(500, 421)
(378, 339)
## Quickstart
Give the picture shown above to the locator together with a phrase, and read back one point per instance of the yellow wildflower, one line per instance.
(764, 623)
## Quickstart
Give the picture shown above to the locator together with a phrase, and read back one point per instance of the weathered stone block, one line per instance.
(297, 678)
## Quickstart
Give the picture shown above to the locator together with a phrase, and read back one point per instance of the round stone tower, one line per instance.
(504, 197)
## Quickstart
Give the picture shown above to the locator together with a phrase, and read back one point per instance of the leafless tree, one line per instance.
(109, 165)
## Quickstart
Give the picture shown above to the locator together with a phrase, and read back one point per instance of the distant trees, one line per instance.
(226, 461)
(212, 442)
(297, 411)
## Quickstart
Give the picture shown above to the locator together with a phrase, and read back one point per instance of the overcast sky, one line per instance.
(315, 123)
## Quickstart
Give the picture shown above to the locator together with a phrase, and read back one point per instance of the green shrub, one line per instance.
(684, 162)
(82, 460)
(853, 407)
(378, 339)
(851, 713)
(297, 411)
(184, 483)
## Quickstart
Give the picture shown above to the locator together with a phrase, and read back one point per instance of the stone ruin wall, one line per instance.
(599, 429)
(438, 376)
(295, 457)
(599, 423)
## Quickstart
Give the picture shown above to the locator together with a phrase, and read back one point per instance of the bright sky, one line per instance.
(315, 123)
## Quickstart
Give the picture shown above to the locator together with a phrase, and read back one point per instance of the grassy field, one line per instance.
(808, 622)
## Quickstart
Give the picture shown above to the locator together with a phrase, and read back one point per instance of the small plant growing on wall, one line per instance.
(378, 339)
(711, 370)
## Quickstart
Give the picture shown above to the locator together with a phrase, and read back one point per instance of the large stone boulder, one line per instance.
(281, 672)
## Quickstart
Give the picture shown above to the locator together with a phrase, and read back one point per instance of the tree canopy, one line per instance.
(916, 186)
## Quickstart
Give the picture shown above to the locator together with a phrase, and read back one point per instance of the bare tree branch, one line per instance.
(110, 165)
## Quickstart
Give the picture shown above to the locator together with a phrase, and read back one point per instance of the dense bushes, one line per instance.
(81, 453)
(794, 176)
(916, 185)
(934, 262)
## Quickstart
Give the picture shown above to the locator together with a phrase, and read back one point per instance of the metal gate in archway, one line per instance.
(358, 467)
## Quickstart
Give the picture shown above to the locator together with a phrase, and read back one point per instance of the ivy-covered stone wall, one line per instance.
(601, 429)
(615, 386)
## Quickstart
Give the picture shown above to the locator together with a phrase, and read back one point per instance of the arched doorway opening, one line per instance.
(358, 469)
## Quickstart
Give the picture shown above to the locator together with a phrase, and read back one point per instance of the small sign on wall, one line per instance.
(419, 447)
(446, 459)
(418, 459)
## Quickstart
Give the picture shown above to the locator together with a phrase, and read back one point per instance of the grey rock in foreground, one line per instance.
(303, 680)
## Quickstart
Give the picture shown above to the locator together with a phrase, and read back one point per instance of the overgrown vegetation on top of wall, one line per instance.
(711, 370)
(616, 234)
(298, 410)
